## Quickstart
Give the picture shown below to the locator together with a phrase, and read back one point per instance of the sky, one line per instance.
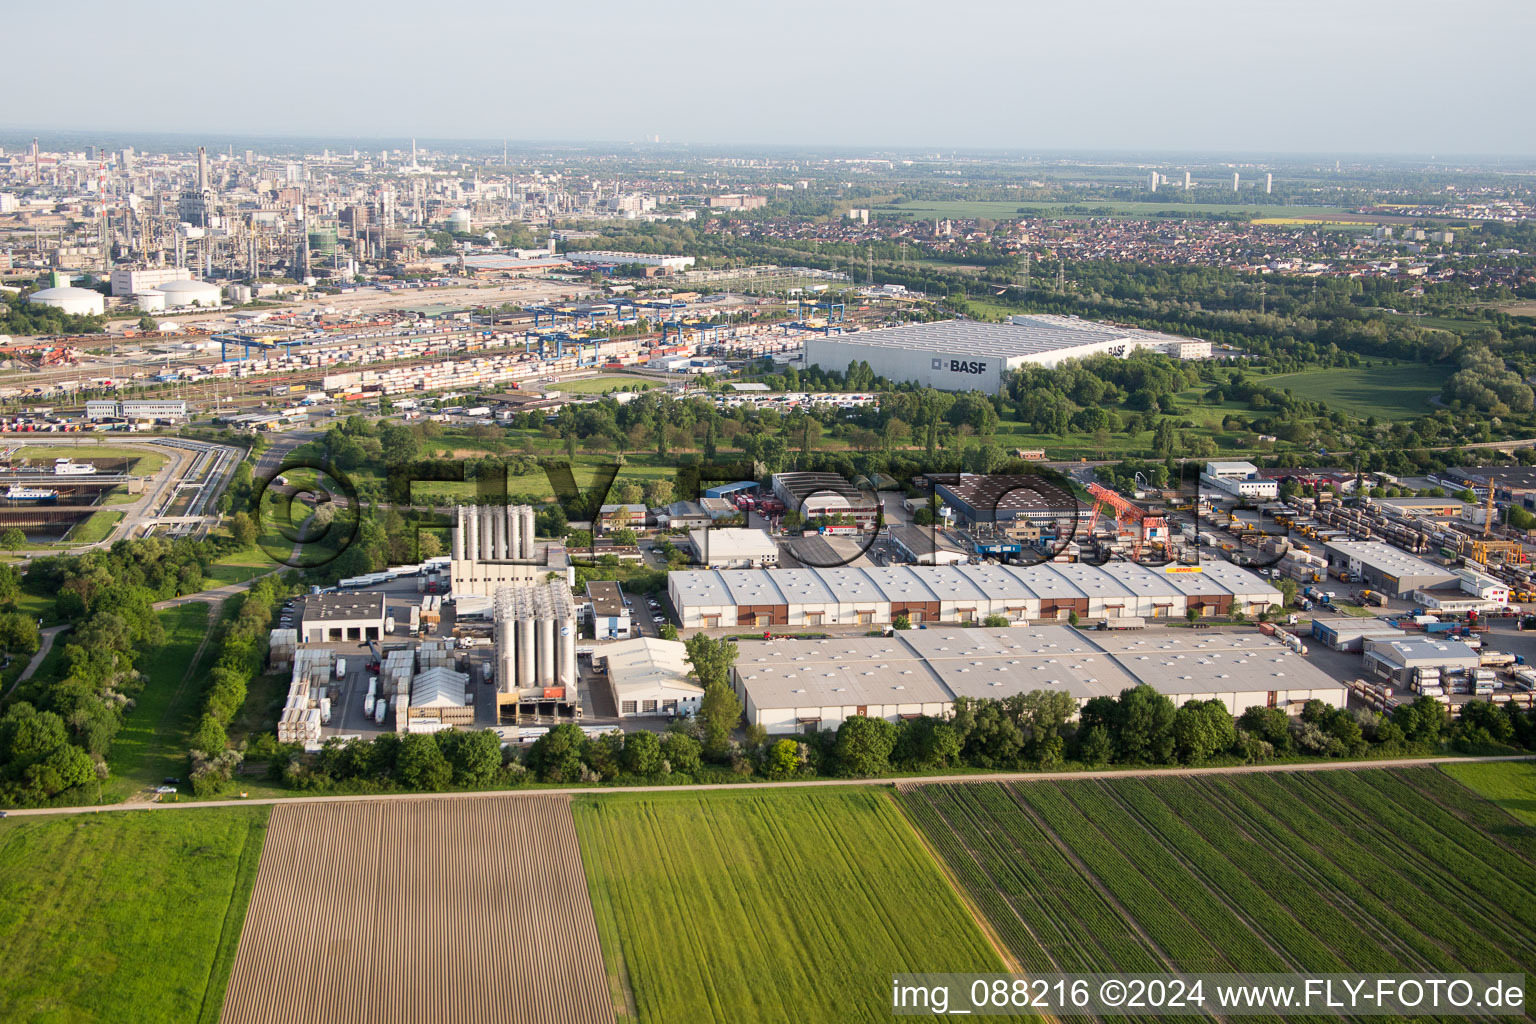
(1302, 76)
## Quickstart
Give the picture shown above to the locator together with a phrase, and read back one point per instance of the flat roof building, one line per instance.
(1050, 591)
(927, 545)
(1412, 659)
(608, 612)
(792, 686)
(1386, 568)
(725, 548)
(337, 618)
(968, 355)
(820, 494)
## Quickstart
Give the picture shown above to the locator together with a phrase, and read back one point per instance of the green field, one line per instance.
(1510, 784)
(1008, 209)
(786, 905)
(1393, 391)
(601, 385)
(1318, 871)
(123, 917)
(96, 528)
(152, 744)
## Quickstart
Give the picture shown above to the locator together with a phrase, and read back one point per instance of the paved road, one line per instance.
(42, 652)
(1401, 762)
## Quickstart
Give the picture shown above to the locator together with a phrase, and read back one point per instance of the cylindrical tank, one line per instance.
(527, 514)
(514, 523)
(546, 652)
(472, 534)
(322, 242)
(487, 534)
(459, 222)
(506, 655)
(238, 293)
(150, 301)
(525, 653)
(499, 521)
(458, 539)
(568, 675)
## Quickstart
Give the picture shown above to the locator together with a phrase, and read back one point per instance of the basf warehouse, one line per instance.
(967, 355)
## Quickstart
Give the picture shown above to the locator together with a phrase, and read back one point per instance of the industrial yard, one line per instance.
(431, 910)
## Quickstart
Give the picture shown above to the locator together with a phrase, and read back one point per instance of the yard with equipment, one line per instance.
(767, 905)
(128, 917)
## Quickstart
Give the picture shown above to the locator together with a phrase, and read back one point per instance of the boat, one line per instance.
(20, 493)
(64, 467)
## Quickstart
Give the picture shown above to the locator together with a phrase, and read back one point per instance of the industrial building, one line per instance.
(826, 494)
(493, 546)
(1003, 498)
(1383, 567)
(927, 545)
(535, 642)
(136, 409)
(1436, 508)
(135, 282)
(727, 548)
(1239, 480)
(606, 608)
(336, 618)
(1051, 591)
(967, 355)
(650, 677)
(791, 686)
(1410, 660)
(624, 259)
(1345, 634)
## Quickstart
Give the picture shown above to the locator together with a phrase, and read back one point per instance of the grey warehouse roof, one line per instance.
(343, 607)
(1007, 341)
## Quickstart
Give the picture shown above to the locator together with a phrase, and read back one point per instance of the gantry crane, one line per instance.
(1125, 512)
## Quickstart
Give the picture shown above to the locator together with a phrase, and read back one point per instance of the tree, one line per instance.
(1094, 746)
(556, 756)
(1201, 729)
(642, 753)
(996, 621)
(421, 764)
(668, 631)
(719, 712)
(243, 529)
(783, 760)
(1146, 726)
(681, 752)
(658, 493)
(474, 757)
(927, 743)
(863, 747)
(12, 539)
(902, 621)
(147, 324)
(711, 659)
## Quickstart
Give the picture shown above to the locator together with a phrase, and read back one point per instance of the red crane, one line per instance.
(1126, 511)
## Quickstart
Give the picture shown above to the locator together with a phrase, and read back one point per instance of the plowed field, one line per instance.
(423, 911)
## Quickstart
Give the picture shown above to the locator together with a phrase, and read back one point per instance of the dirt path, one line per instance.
(1325, 766)
(37, 659)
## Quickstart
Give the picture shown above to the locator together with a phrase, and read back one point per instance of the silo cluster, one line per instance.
(493, 533)
(536, 637)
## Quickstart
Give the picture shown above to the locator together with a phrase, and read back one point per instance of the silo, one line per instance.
(499, 524)
(487, 534)
(458, 534)
(527, 513)
(471, 533)
(525, 631)
(568, 675)
(514, 533)
(546, 648)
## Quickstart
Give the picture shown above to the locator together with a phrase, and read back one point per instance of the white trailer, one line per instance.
(341, 668)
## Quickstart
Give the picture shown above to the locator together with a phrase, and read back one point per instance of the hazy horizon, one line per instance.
(1371, 78)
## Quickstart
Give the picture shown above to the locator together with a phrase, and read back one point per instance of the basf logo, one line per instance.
(958, 366)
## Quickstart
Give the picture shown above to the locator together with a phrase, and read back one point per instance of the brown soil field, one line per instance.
(423, 911)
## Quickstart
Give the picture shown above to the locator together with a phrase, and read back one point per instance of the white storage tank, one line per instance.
(191, 293)
(150, 301)
(79, 301)
(239, 294)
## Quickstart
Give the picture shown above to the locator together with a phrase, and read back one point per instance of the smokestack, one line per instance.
(202, 168)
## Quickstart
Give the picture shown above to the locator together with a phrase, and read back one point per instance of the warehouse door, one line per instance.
(1274, 699)
(762, 619)
(862, 711)
(813, 618)
(914, 617)
(863, 618)
(710, 621)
